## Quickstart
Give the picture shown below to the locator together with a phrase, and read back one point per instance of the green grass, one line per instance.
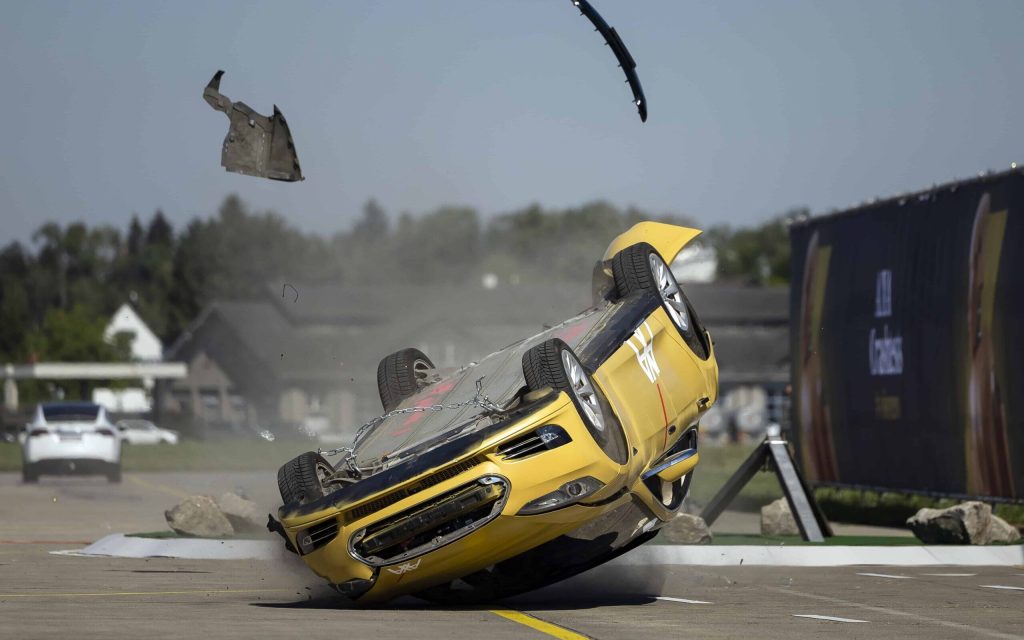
(192, 455)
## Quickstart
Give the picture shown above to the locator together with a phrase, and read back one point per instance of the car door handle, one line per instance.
(703, 403)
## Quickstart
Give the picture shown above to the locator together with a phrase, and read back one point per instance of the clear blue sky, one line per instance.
(754, 106)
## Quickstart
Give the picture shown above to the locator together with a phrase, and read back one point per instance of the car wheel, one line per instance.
(300, 480)
(640, 268)
(402, 374)
(29, 473)
(114, 473)
(553, 364)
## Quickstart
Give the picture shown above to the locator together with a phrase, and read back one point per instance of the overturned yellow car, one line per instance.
(544, 459)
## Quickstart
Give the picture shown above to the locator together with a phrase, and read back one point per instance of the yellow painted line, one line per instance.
(547, 628)
(138, 593)
(157, 487)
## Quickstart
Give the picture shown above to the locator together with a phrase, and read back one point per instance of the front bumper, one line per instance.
(491, 531)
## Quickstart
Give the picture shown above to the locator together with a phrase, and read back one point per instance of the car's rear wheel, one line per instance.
(301, 479)
(402, 374)
(640, 268)
(552, 364)
(114, 473)
(29, 473)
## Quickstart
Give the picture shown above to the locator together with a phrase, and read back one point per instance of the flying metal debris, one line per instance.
(618, 47)
(255, 144)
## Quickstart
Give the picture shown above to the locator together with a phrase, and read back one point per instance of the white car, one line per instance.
(145, 432)
(71, 437)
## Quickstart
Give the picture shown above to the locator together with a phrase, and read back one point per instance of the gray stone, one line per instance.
(965, 523)
(1003, 531)
(244, 515)
(686, 529)
(778, 520)
(198, 516)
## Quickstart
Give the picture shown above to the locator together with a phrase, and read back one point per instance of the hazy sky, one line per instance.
(754, 106)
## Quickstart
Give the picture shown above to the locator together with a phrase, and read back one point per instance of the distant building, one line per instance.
(310, 361)
(144, 346)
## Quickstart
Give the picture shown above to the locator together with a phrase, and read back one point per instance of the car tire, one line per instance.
(29, 475)
(114, 473)
(400, 375)
(299, 480)
(632, 271)
(544, 366)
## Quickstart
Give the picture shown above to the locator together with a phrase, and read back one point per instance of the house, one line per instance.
(144, 346)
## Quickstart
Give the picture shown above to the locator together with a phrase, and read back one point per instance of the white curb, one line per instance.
(825, 556)
(122, 546)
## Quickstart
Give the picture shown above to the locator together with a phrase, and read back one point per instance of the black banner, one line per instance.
(907, 338)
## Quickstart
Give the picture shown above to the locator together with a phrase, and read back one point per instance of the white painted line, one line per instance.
(963, 630)
(683, 600)
(829, 618)
(884, 575)
(1002, 586)
(950, 575)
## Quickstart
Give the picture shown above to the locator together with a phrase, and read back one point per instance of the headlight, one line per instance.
(569, 493)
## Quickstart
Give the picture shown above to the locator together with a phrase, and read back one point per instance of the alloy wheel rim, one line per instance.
(583, 390)
(420, 369)
(671, 294)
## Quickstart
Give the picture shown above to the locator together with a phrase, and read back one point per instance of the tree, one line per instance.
(159, 232)
(135, 236)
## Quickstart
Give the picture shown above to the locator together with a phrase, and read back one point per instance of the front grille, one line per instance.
(389, 499)
(432, 524)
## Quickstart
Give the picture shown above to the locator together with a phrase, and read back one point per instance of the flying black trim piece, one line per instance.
(255, 144)
(612, 39)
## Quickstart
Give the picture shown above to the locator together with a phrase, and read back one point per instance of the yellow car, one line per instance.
(544, 459)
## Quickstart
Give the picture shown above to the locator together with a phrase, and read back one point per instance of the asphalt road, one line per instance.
(47, 595)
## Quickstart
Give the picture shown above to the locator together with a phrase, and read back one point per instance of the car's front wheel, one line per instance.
(301, 479)
(402, 374)
(552, 364)
(29, 474)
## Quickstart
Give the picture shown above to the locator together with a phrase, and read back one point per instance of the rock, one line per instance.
(777, 519)
(1003, 531)
(965, 523)
(686, 529)
(243, 514)
(198, 516)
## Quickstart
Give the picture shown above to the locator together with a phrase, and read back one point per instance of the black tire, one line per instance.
(299, 479)
(631, 269)
(399, 376)
(542, 367)
(29, 475)
(114, 473)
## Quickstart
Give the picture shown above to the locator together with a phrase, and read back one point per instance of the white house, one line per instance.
(145, 347)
